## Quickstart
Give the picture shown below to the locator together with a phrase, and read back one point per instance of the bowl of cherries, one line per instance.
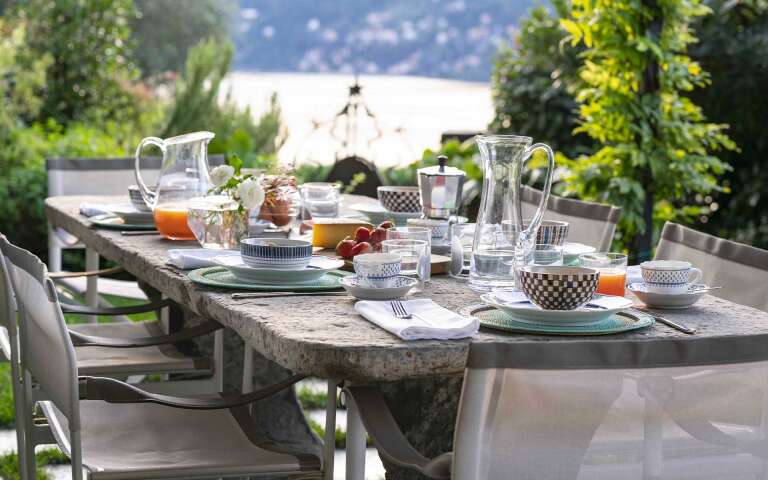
(366, 240)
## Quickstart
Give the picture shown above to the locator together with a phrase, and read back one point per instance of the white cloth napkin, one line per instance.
(431, 321)
(634, 275)
(189, 258)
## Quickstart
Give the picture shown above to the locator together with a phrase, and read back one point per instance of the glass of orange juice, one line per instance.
(171, 221)
(612, 268)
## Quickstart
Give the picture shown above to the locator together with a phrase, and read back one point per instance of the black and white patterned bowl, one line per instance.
(558, 288)
(551, 232)
(400, 199)
(137, 200)
(275, 253)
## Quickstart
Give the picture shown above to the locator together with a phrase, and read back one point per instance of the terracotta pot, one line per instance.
(278, 212)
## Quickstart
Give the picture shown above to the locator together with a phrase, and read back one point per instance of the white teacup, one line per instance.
(669, 276)
(377, 270)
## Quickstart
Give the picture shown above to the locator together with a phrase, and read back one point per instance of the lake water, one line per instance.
(411, 112)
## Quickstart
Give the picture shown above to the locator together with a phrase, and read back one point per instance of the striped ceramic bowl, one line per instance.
(277, 253)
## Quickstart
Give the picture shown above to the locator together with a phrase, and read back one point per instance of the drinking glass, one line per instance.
(414, 255)
(462, 236)
(321, 199)
(415, 233)
(612, 268)
(545, 254)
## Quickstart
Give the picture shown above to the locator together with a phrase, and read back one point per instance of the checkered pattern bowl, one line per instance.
(558, 288)
(279, 253)
(400, 199)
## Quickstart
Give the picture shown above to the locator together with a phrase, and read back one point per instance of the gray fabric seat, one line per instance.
(590, 223)
(140, 441)
(108, 361)
(741, 270)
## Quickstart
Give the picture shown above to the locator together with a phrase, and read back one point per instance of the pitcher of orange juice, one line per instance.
(183, 177)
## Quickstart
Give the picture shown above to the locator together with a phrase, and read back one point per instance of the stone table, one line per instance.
(324, 337)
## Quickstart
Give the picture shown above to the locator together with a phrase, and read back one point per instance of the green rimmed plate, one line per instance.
(223, 278)
(491, 317)
(113, 222)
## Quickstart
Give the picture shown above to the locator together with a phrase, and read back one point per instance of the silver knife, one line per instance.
(670, 323)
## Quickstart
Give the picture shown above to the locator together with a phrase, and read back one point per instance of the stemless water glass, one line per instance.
(545, 254)
(321, 199)
(414, 255)
(415, 233)
(612, 268)
(462, 236)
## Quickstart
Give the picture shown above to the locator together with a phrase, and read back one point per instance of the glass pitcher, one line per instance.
(501, 239)
(183, 177)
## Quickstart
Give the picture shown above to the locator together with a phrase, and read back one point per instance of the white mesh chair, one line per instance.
(692, 409)
(117, 431)
(116, 350)
(590, 223)
(741, 270)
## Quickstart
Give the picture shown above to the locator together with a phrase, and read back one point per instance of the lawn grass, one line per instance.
(9, 463)
(311, 400)
(7, 419)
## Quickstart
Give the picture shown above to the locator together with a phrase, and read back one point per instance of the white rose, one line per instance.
(221, 175)
(250, 193)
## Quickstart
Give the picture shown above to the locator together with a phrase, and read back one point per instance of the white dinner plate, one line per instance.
(318, 266)
(130, 214)
(675, 301)
(571, 252)
(517, 305)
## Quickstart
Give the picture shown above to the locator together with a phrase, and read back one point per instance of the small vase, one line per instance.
(218, 223)
(282, 203)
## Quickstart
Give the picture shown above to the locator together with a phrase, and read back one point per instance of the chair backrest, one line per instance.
(741, 270)
(102, 176)
(46, 349)
(7, 300)
(344, 171)
(652, 410)
(590, 223)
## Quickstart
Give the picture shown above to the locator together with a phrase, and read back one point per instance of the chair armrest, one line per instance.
(67, 307)
(115, 391)
(389, 439)
(92, 273)
(83, 340)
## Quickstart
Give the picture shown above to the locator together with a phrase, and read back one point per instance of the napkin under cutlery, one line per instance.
(430, 320)
(190, 258)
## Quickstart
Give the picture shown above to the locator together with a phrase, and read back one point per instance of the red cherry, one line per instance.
(362, 247)
(344, 248)
(362, 234)
(387, 224)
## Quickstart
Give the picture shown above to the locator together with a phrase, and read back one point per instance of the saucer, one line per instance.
(517, 306)
(674, 301)
(377, 214)
(402, 285)
(318, 266)
(113, 222)
(571, 252)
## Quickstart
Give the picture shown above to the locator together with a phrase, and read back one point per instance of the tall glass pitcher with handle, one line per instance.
(183, 177)
(500, 236)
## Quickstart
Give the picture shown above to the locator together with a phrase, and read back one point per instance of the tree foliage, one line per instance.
(199, 105)
(734, 49)
(165, 30)
(656, 147)
(533, 83)
(90, 75)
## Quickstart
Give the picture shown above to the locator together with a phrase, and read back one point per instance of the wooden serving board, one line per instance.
(440, 264)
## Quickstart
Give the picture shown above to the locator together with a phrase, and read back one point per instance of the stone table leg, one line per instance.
(427, 418)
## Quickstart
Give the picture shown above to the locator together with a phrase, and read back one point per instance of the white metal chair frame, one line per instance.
(56, 383)
(10, 348)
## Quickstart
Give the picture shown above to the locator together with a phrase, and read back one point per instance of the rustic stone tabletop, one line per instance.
(324, 337)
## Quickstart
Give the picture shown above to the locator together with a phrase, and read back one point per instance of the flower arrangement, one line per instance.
(245, 190)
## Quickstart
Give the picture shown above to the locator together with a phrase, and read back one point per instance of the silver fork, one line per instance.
(398, 309)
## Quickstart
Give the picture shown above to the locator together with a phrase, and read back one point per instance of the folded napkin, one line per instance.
(634, 274)
(92, 209)
(189, 258)
(430, 320)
